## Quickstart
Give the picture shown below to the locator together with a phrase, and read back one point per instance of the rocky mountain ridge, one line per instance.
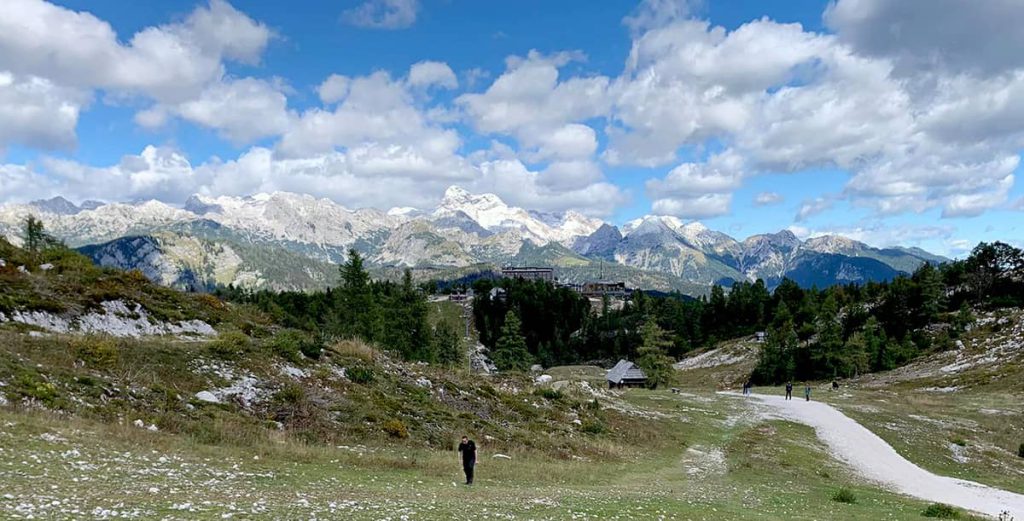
(463, 230)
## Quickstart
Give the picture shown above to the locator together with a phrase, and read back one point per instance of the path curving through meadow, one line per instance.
(876, 460)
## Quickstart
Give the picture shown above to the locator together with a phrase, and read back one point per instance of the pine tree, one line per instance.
(652, 357)
(826, 352)
(357, 311)
(448, 344)
(510, 352)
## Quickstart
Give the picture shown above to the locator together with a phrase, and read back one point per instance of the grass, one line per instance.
(844, 495)
(703, 457)
(941, 511)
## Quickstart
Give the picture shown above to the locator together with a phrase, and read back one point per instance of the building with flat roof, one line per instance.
(528, 273)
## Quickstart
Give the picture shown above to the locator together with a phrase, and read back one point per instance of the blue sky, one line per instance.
(892, 125)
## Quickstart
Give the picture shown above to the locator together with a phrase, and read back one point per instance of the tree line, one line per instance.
(812, 333)
(393, 315)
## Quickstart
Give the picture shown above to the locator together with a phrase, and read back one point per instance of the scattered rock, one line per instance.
(152, 428)
(139, 423)
(501, 456)
(423, 382)
(46, 267)
(544, 378)
(293, 372)
(207, 396)
(536, 368)
(479, 362)
(22, 269)
(3, 263)
(116, 318)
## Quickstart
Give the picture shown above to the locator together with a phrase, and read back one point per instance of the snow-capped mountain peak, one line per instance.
(493, 214)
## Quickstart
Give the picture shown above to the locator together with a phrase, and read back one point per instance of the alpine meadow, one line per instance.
(511, 260)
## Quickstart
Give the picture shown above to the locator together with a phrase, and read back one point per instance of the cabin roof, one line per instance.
(625, 370)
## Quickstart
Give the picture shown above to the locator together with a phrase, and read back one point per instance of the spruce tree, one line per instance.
(652, 357)
(510, 352)
(448, 344)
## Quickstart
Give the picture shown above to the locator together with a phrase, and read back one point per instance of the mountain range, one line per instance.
(291, 241)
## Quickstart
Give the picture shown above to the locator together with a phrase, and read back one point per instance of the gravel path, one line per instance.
(876, 460)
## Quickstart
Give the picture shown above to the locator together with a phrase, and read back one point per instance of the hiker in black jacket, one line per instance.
(468, 451)
(789, 391)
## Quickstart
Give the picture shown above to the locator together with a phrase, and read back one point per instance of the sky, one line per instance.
(891, 122)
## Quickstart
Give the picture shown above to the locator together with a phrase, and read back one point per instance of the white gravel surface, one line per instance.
(877, 461)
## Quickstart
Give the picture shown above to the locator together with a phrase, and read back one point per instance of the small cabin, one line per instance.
(760, 337)
(626, 374)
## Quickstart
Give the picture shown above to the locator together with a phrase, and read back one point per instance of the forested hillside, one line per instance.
(812, 333)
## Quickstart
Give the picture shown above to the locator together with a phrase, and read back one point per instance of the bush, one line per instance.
(957, 440)
(549, 394)
(844, 495)
(592, 427)
(287, 344)
(230, 344)
(941, 511)
(396, 429)
(311, 348)
(1020, 450)
(290, 394)
(37, 389)
(96, 352)
(359, 374)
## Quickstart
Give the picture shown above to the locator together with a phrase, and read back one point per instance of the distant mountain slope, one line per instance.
(186, 262)
(826, 269)
(231, 234)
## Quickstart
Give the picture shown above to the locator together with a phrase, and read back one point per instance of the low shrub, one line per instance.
(1020, 450)
(290, 394)
(99, 352)
(957, 440)
(549, 394)
(396, 429)
(941, 511)
(359, 374)
(311, 348)
(230, 344)
(287, 344)
(844, 495)
(592, 427)
(37, 389)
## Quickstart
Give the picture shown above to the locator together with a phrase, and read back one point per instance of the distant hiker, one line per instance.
(835, 385)
(807, 393)
(468, 451)
(746, 388)
(789, 391)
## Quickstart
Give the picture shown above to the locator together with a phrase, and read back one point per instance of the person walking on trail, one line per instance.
(807, 393)
(789, 391)
(467, 449)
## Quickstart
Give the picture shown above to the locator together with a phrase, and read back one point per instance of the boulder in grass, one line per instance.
(207, 396)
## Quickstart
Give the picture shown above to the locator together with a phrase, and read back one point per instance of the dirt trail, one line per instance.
(876, 460)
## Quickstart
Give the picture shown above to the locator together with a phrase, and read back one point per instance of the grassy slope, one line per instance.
(967, 423)
(707, 463)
